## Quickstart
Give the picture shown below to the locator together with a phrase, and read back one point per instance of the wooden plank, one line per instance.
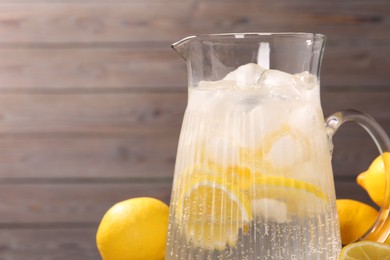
(352, 155)
(48, 244)
(339, 21)
(48, 205)
(350, 190)
(127, 113)
(109, 114)
(276, 2)
(164, 1)
(90, 22)
(114, 69)
(136, 156)
(74, 243)
(66, 242)
(48, 2)
(375, 103)
(91, 68)
(354, 150)
(356, 67)
(63, 204)
(140, 22)
(135, 135)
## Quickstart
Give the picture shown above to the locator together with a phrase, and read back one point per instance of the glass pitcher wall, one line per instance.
(253, 176)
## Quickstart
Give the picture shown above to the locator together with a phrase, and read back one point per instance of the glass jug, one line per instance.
(253, 177)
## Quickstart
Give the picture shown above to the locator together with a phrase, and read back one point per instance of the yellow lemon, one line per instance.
(373, 180)
(236, 175)
(215, 212)
(240, 175)
(287, 183)
(365, 250)
(134, 229)
(355, 219)
(298, 197)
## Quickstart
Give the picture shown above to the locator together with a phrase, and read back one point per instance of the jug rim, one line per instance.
(200, 37)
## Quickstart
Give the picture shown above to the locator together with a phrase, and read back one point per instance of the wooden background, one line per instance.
(92, 98)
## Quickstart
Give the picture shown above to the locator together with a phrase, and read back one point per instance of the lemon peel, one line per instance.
(365, 250)
(374, 179)
(355, 219)
(300, 197)
(134, 229)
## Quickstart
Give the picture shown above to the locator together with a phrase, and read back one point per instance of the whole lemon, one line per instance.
(373, 180)
(355, 219)
(134, 229)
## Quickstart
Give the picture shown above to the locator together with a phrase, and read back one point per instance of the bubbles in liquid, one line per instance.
(257, 135)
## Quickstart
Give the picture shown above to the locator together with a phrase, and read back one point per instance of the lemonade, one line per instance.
(253, 177)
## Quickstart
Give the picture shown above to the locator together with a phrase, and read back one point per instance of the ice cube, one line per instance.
(277, 78)
(245, 76)
(287, 151)
(306, 118)
(280, 84)
(270, 209)
(309, 81)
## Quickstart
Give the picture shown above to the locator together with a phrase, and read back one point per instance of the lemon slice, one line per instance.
(298, 197)
(365, 250)
(241, 176)
(237, 175)
(212, 212)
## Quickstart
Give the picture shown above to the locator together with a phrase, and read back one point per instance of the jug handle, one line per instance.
(380, 230)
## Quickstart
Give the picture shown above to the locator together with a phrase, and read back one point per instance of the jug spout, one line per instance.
(182, 47)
